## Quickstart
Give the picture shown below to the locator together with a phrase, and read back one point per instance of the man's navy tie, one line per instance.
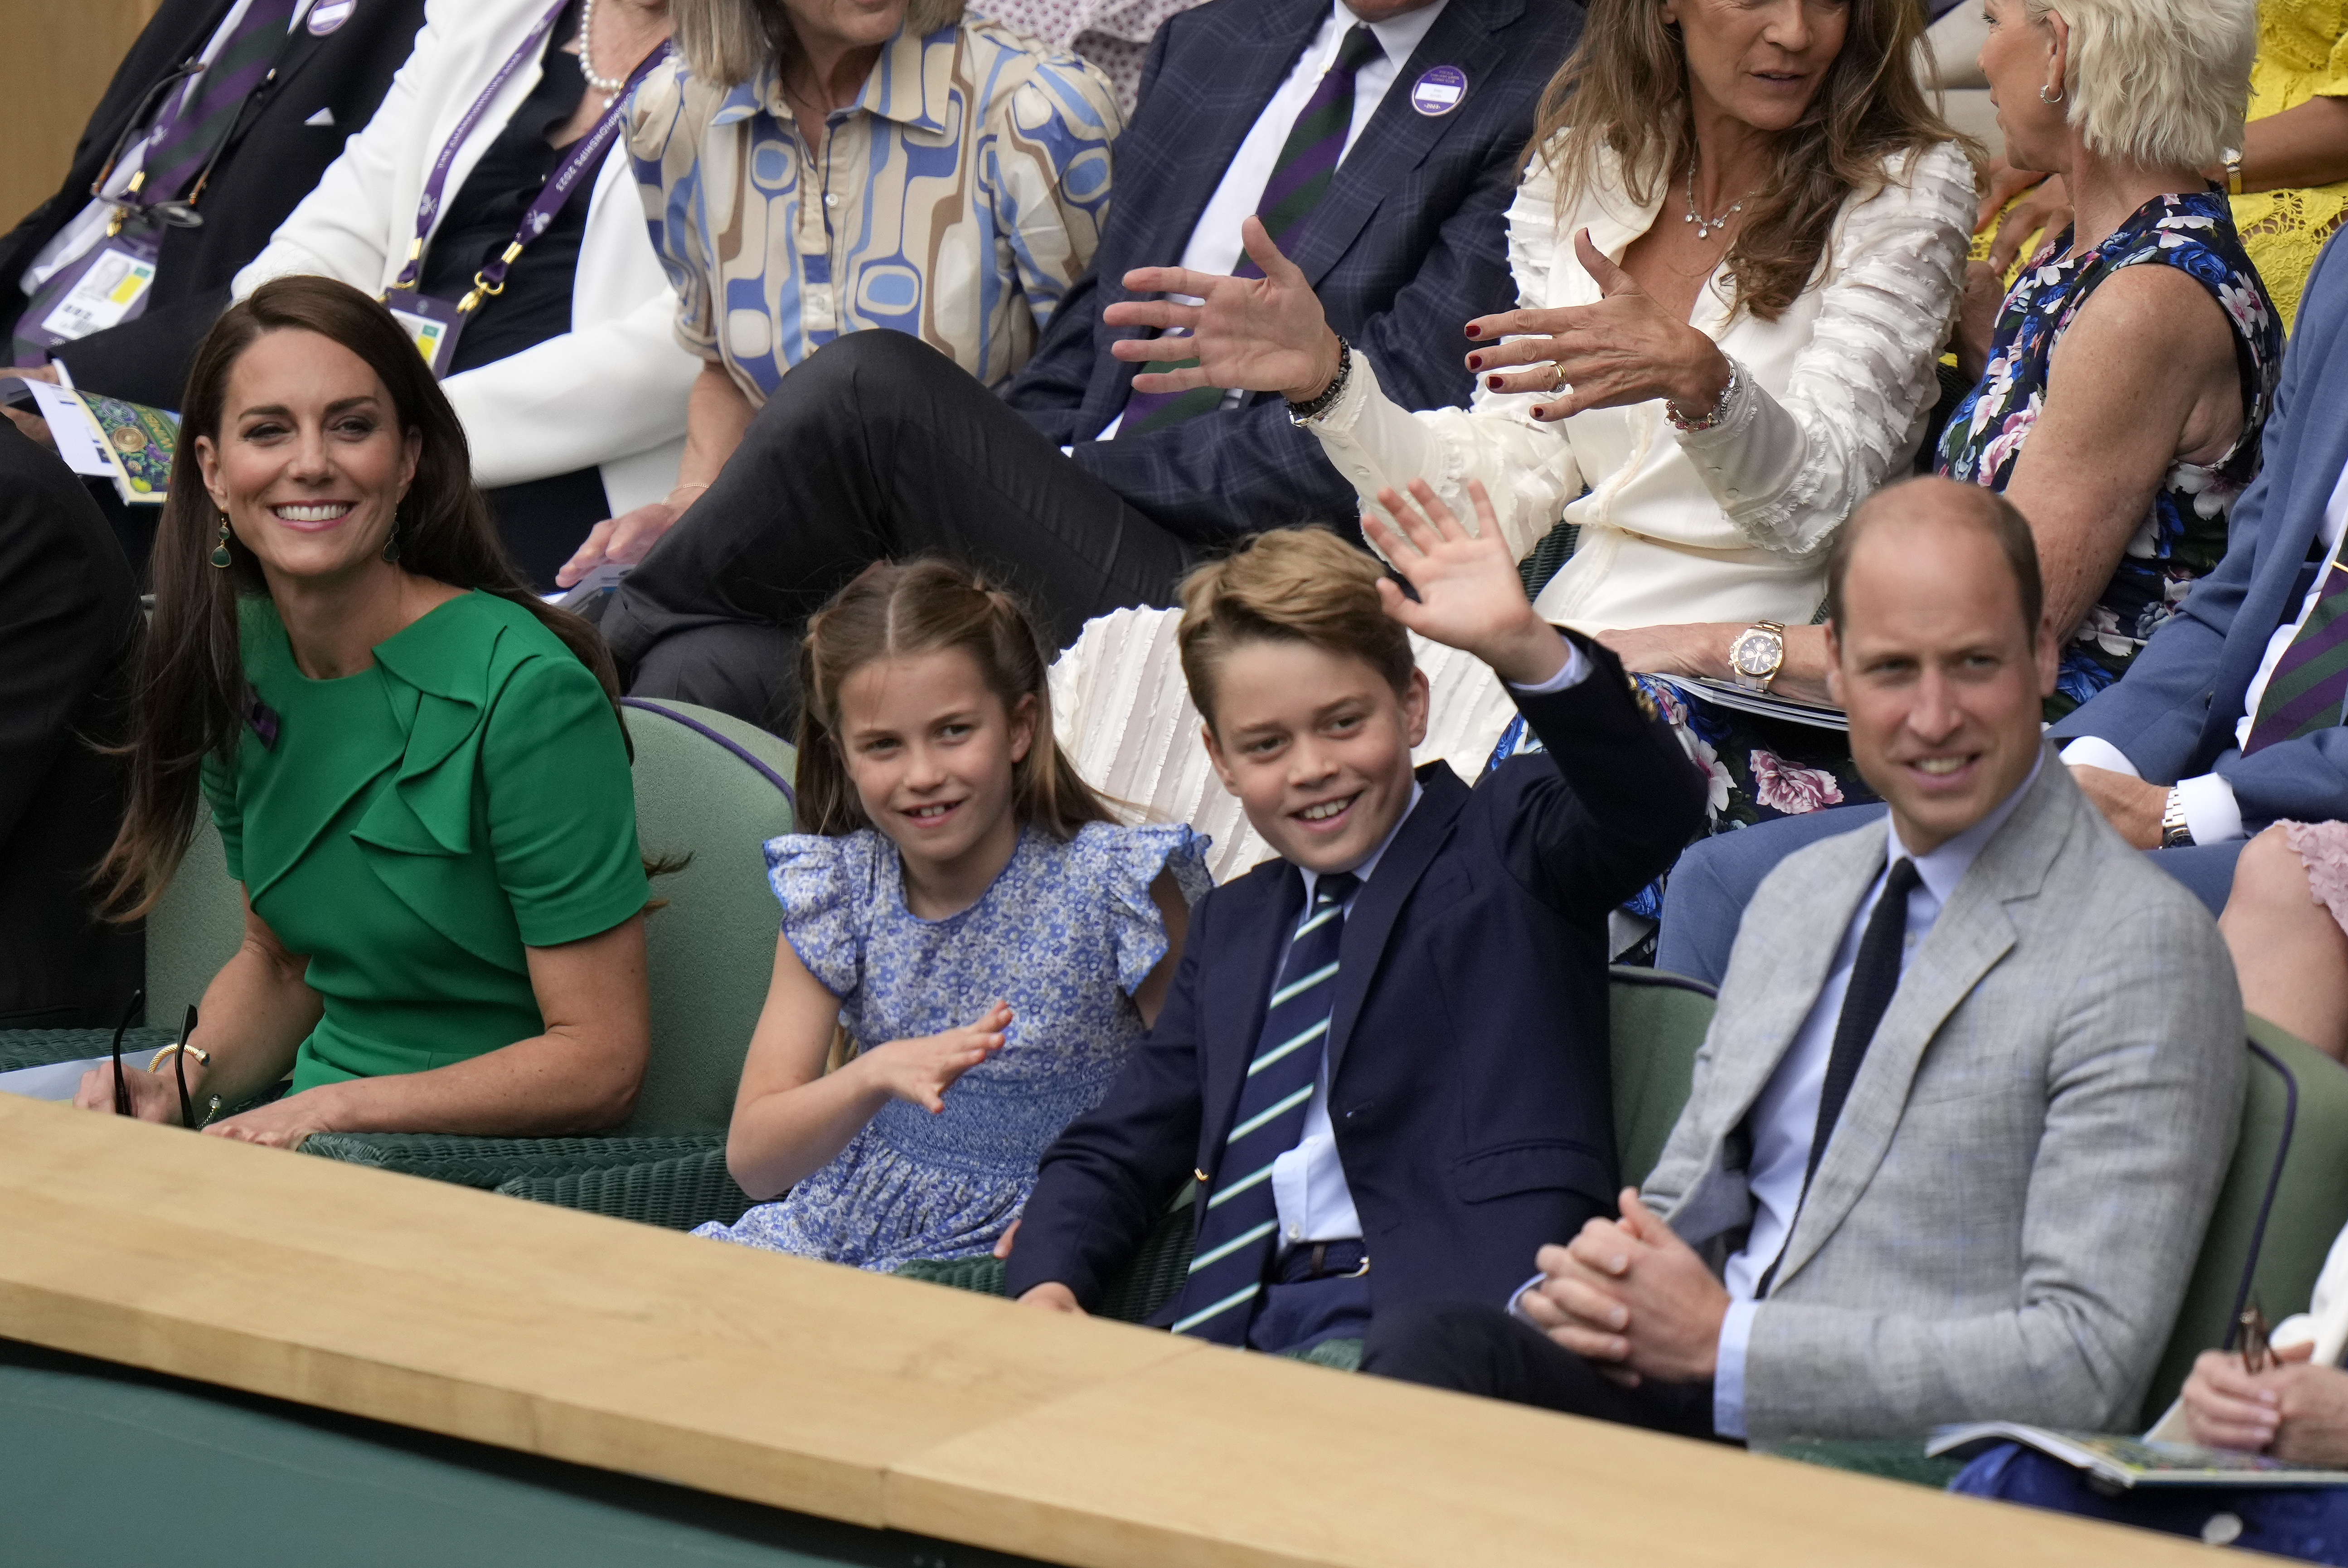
(1239, 1225)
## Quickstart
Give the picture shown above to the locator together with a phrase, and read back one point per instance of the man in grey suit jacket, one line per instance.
(1972, 1086)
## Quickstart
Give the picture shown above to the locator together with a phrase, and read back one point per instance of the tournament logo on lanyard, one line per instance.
(328, 15)
(1439, 91)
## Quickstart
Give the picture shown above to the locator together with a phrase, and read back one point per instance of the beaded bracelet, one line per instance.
(1719, 409)
(1327, 399)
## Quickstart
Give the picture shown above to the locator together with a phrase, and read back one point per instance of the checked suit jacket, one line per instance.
(2174, 712)
(1468, 1056)
(2004, 1220)
(1410, 241)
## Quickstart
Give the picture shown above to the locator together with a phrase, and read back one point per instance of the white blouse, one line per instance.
(1727, 524)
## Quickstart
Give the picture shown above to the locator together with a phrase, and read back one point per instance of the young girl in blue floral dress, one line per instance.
(965, 908)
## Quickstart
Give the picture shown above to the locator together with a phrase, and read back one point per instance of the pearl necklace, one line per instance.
(1704, 227)
(611, 87)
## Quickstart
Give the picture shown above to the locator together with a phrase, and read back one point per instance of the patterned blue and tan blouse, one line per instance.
(2184, 533)
(957, 199)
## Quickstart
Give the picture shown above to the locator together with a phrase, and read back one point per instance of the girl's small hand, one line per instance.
(1625, 349)
(285, 1123)
(920, 1071)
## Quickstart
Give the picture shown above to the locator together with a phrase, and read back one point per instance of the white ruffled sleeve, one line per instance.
(1528, 468)
(826, 886)
(1125, 862)
(1787, 470)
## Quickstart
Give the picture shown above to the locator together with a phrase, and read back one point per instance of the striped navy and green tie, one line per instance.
(1238, 1226)
(1300, 178)
(2310, 683)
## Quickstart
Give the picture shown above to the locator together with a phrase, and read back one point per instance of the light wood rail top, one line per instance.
(878, 1401)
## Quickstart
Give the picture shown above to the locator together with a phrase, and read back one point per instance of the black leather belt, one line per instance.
(1325, 1260)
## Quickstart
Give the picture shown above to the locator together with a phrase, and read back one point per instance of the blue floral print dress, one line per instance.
(1065, 935)
(2184, 533)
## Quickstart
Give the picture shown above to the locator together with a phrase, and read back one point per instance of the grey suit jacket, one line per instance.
(2007, 1212)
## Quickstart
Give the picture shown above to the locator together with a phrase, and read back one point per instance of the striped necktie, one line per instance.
(183, 146)
(1299, 178)
(2309, 682)
(1238, 1229)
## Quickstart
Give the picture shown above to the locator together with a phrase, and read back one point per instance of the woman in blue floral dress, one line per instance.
(2184, 532)
(992, 944)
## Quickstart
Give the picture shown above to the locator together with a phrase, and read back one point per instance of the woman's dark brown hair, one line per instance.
(1625, 90)
(902, 612)
(189, 702)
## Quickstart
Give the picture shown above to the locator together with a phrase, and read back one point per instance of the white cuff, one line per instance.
(1517, 1300)
(2094, 751)
(2212, 815)
(1571, 673)
(1728, 1369)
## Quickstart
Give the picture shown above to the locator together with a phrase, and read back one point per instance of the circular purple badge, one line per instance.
(328, 15)
(1439, 90)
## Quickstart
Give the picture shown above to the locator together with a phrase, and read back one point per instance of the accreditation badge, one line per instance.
(432, 324)
(111, 289)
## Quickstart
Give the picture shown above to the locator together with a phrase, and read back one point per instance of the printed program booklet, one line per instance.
(2129, 1462)
(1725, 693)
(108, 438)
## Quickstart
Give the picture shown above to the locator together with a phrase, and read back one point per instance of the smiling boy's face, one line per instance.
(1317, 745)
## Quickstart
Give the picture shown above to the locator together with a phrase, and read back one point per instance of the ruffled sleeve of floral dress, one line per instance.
(1787, 469)
(826, 887)
(1123, 863)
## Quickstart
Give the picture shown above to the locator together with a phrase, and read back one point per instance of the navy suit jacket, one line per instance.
(1469, 1088)
(1410, 241)
(2174, 712)
(273, 157)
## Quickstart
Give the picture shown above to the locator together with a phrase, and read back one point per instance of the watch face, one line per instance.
(1754, 654)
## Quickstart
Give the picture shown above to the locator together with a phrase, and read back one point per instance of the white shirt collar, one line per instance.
(1370, 861)
(1398, 37)
(1943, 868)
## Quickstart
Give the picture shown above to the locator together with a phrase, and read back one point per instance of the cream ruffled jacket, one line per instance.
(1727, 525)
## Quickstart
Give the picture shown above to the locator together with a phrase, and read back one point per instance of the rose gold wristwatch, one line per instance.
(1757, 655)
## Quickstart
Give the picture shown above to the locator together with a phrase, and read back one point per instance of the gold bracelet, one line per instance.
(2233, 173)
(203, 1057)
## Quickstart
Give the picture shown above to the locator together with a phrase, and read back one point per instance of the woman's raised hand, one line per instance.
(1625, 349)
(920, 1071)
(1469, 595)
(1261, 334)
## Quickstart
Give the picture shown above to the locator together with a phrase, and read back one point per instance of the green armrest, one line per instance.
(494, 1161)
(679, 1193)
(40, 1048)
(1892, 1459)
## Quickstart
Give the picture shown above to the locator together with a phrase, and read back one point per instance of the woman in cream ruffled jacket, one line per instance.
(1736, 267)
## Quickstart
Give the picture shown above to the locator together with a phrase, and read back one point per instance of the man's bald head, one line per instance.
(1935, 503)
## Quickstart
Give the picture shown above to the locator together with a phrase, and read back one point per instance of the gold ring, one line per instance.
(1556, 377)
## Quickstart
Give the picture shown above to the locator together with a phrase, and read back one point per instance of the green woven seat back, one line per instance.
(713, 789)
(1657, 1023)
(194, 930)
(2284, 1201)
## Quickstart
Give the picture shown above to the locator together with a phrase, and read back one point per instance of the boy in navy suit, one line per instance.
(1383, 1057)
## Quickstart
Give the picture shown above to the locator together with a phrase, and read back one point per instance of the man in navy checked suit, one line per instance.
(878, 446)
(1383, 1062)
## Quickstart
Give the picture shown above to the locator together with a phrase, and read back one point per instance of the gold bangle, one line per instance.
(2233, 173)
(203, 1057)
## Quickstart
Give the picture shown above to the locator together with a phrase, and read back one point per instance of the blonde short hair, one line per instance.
(1290, 585)
(724, 42)
(2161, 84)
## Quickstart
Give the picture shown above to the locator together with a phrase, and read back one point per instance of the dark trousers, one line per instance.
(875, 447)
(1471, 1348)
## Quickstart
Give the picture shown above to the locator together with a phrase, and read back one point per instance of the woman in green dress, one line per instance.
(418, 769)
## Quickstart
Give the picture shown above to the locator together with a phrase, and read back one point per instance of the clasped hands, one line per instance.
(1631, 1298)
(1268, 335)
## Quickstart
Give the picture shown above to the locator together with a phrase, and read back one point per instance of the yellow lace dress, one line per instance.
(2302, 54)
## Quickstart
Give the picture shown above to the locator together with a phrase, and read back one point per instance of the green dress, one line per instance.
(412, 827)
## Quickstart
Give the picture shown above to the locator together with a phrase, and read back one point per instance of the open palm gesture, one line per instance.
(1261, 334)
(1469, 595)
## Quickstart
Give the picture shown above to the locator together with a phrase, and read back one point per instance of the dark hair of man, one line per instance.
(190, 701)
(1625, 90)
(902, 612)
(1290, 585)
(1938, 499)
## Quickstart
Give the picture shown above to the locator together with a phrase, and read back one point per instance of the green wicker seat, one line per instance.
(679, 1191)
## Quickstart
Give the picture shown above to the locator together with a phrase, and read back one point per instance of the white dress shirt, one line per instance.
(88, 227)
(2212, 815)
(1214, 244)
(1308, 1183)
(1785, 1118)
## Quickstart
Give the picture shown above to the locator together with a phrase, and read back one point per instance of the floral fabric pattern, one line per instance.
(1065, 935)
(2184, 532)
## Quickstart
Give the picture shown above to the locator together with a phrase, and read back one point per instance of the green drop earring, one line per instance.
(219, 551)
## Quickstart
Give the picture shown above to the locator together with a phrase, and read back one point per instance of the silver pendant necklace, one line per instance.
(611, 87)
(1705, 227)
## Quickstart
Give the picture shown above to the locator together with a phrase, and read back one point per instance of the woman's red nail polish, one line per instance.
(1475, 362)
(1474, 331)
(1493, 382)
